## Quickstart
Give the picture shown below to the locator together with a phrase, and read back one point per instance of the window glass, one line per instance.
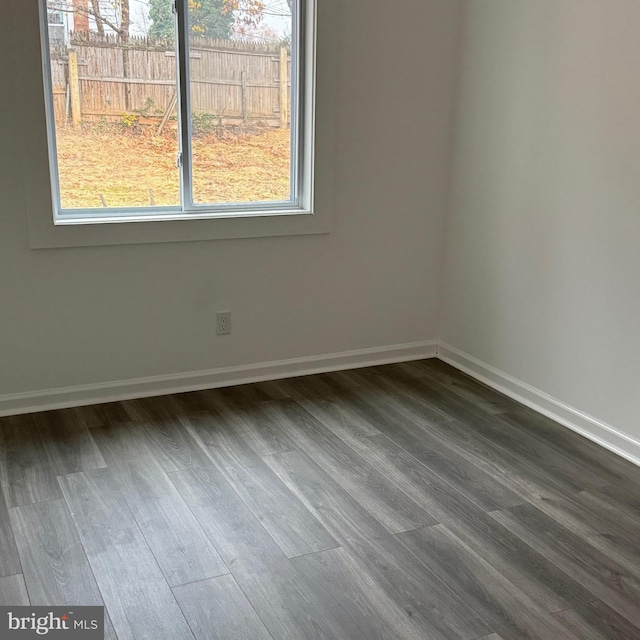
(112, 84)
(240, 90)
(184, 105)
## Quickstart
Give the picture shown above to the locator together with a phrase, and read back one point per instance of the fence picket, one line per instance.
(233, 80)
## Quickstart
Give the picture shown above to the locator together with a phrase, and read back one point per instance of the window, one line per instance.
(56, 18)
(163, 109)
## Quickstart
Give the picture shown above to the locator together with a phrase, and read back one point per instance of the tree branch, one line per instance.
(99, 18)
(95, 5)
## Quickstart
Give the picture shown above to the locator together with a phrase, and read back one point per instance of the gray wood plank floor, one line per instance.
(399, 502)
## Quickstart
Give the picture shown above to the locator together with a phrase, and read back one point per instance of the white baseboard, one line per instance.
(81, 395)
(587, 426)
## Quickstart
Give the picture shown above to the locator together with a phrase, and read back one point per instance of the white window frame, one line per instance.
(309, 214)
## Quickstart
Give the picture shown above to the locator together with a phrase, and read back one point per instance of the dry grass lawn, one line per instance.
(128, 170)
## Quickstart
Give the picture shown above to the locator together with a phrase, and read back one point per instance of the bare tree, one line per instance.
(125, 19)
(112, 14)
(119, 20)
(97, 14)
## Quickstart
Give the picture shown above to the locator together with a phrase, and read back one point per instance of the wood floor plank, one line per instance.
(241, 396)
(623, 496)
(597, 621)
(571, 446)
(26, 475)
(180, 546)
(70, 447)
(550, 587)
(284, 603)
(9, 561)
(480, 394)
(294, 528)
(513, 470)
(403, 370)
(191, 402)
(373, 390)
(404, 579)
(563, 473)
(104, 414)
(248, 394)
(135, 592)
(606, 579)
(257, 430)
(599, 523)
(160, 419)
(366, 610)
(13, 592)
(322, 402)
(56, 570)
(84, 417)
(384, 500)
(339, 419)
(54, 563)
(443, 456)
(625, 493)
(238, 397)
(506, 606)
(313, 387)
(610, 515)
(599, 459)
(454, 467)
(217, 609)
(419, 482)
(565, 468)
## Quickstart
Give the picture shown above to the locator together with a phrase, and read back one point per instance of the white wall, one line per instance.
(543, 259)
(92, 315)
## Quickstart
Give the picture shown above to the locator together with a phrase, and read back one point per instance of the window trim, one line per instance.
(238, 221)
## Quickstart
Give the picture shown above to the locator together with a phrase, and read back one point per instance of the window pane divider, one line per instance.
(184, 103)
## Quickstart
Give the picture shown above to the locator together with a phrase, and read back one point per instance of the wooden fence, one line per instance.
(98, 77)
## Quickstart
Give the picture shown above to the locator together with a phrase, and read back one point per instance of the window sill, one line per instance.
(160, 214)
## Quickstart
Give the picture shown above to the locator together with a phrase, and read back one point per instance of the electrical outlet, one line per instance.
(223, 323)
